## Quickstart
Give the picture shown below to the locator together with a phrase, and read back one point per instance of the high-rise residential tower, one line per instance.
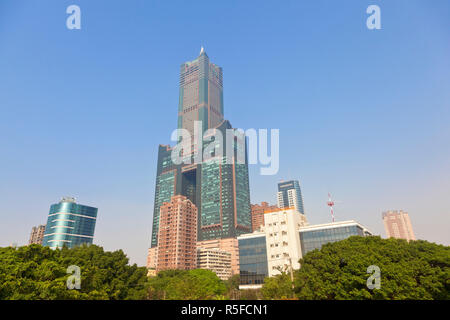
(177, 235)
(69, 224)
(398, 225)
(37, 234)
(219, 189)
(290, 195)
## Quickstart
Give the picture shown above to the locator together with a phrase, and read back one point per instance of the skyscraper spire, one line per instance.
(201, 50)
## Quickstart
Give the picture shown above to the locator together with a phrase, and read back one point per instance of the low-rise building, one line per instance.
(216, 260)
(283, 241)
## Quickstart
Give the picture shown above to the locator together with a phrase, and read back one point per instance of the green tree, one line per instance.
(197, 284)
(277, 287)
(409, 270)
(37, 272)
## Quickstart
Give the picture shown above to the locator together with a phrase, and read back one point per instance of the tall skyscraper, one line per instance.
(177, 235)
(258, 211)
(201, 94)
(290, 195)
(69, 224)
(398, 225)
(37, 234)
(219, 190)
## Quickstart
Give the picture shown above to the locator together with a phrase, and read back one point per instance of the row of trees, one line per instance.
(37, 272)
(414, 270)
(408, 270)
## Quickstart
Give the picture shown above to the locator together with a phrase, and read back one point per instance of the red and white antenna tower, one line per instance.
(330, 203)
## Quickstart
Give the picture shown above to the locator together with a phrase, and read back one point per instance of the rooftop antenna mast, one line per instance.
(330, 203)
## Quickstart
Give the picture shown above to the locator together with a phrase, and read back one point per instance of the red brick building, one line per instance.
(258, 214)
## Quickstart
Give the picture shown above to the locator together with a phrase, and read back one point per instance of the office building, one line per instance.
(398, 225)
(69, 224)
(37, 234)
(229, 245)
(253, 262)
(283, 241)
(290, 195)
(219, 190)
(315, 236)
(216, 260)
(177, 235)
(258, 211)
(272, 249)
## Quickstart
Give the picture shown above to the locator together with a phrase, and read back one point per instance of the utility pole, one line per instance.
(292, 276)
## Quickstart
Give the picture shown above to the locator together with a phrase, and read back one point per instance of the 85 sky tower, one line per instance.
(220, 191)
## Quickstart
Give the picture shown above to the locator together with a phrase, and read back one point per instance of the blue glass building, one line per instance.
(252, 259)
(314, 237)
(69, 224)
(290, 195)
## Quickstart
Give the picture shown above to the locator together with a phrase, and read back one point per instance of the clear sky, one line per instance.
(363, 114)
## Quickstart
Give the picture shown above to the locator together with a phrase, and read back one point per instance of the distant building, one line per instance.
(314, 237)
(258, 211)
(398, 225)
(37, 234)
(290, 195)
(216, 260)
(152, 258)
(69, 224)
(177, 235)
(229, 245)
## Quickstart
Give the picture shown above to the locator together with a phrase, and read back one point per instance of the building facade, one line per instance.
(152, 258)
(253, 262)
(397, 224)
(258, 211)
(290, 195)
(219, 189)
(216, 260)
(229, 245)
(314, 237)
(283, 241)
(177, 235)
(69, 224)
(37, 235)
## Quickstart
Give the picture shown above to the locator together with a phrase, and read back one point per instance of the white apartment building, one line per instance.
(282, 239)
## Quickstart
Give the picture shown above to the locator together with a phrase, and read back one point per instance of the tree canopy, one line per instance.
(37, 272)
(408, 270)
(197, 284)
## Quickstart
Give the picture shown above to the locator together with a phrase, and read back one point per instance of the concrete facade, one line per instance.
(216, 260)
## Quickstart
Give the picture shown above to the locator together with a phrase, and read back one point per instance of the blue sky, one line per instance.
(363, 114)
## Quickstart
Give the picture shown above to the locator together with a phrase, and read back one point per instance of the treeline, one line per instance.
(414, 270)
